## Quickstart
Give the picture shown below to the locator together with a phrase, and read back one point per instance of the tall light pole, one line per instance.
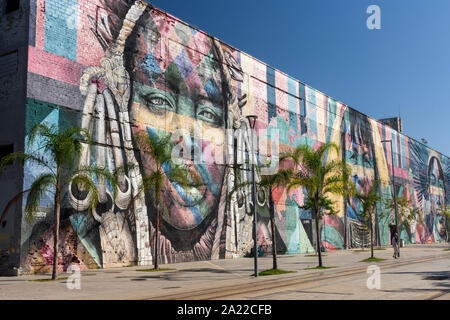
(393, 183)
(252, 121)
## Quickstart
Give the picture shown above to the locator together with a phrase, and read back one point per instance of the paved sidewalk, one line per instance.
(191, 277)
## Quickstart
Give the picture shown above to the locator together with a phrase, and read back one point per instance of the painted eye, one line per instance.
(209, 116)
(158, 101)
(209, 111)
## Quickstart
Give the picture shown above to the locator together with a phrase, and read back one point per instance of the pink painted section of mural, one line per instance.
(40, 24)
(89, 52)
(53, 66)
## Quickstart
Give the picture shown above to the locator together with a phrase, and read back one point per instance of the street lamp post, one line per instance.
(393, 183)
(252, 121)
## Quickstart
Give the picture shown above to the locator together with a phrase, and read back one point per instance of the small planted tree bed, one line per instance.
(155, 270)
(373, 259)
(47, 280)
(315, 255)
(271, 272)
(319, 268)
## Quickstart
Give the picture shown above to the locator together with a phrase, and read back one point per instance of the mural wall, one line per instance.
(120, 69)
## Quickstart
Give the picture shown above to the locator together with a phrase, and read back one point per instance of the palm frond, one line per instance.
(18, 158)
(43, 130)
(153, 184)
(296, 154)
(335, 188)
(98, 172)
(64, 145)
(334, 166)
(160, 148)
(78, 133)
(369, 200)
(281, 178)
(306, 182)
(236, 188)
(336, 183)
(85, 182)
(326, 147)
(148, 182)
(10, 203)
(67, 145)
(179, 174)
(125, 169)
(39, 187)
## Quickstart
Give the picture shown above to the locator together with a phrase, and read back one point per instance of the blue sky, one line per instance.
(402, 69)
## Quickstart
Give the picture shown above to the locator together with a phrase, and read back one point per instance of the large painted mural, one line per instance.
(123, 68)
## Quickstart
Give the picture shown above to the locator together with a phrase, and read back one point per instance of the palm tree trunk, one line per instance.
(56, 231)
(446, 229)
(345, 223)
(371, 237)
(377, 230)
(319, 253)
(272, 223)
(156, 266)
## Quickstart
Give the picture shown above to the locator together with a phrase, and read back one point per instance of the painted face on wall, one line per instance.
(436, 190)
(181, 92)
(359, 155)
(431, 189)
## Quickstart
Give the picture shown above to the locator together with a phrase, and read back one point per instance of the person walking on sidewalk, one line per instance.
(394, 241)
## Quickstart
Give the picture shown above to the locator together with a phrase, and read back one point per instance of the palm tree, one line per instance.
(406, 211)
(445, 210)
(320, 180)
(369, 204)
(160, 150)
(268, 182)
(279, 179)
(63, 147)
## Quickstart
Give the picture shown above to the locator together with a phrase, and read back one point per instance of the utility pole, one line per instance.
(252, 122)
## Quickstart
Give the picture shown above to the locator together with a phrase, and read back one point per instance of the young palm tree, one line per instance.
(320, 180)
(160, 150)
(268, 182)
(279, 179)
(445, 210)
(407, 213)
(369, 204)
(63, 147)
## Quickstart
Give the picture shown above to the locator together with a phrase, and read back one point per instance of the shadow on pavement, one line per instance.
(442, 276)
(428, 275)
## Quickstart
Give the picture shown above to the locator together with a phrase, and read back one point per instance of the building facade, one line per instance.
(124, 68)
